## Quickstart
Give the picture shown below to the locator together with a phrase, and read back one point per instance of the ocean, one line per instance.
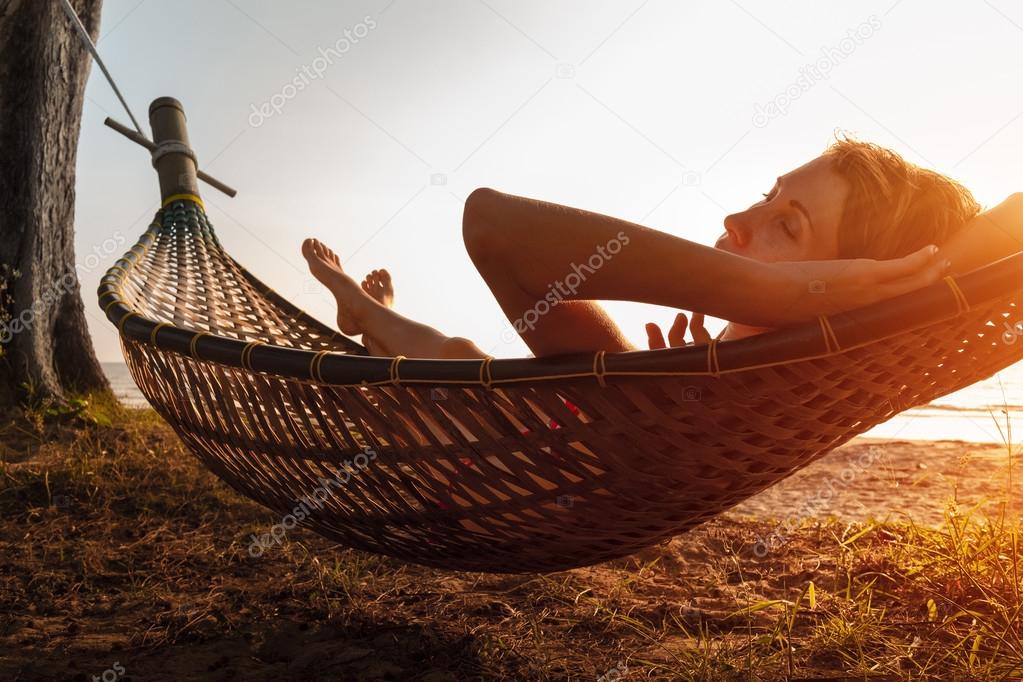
(975, 414)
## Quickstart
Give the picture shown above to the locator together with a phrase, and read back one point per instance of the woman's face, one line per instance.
(797, 220)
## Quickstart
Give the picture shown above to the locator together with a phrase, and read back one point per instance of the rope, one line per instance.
(395, 377)
(962, 305)
(120, 323)
(247, 354)
(91, 47)
(485, 377)
(156, 330)
(314, 365)
(166, 147)
(713, 368)
(599, 370)
(193, 345)
(830, 339)
(184, 197)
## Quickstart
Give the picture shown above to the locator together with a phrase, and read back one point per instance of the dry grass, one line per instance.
(117, 547)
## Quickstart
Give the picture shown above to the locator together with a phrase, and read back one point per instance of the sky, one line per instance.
(366, 123)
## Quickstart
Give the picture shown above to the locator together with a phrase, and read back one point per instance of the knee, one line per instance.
(480, 225)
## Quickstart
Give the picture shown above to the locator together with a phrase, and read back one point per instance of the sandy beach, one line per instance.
(902, 481)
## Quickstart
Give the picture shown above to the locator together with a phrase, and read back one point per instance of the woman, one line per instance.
(856, 225)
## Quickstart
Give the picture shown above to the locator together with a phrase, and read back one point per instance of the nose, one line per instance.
(736, 226)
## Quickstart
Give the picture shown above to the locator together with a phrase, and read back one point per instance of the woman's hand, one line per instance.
(829, 286)
(677, 333)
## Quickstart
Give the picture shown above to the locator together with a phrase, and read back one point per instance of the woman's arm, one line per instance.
(800, 290)
(991, 235)
(536, 255)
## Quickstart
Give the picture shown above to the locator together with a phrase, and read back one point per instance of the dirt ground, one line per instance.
(122, 559)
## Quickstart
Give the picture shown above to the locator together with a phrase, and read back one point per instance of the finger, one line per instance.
(908, 266)
(654, 337)
(918, 280)
(701, 337)
(677, 333)
(699, 332)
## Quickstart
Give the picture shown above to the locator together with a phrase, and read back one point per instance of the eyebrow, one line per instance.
(796, 205)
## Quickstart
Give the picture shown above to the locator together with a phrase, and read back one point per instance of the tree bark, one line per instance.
(43, 71)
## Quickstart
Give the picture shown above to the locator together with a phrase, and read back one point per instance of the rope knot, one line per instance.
(162, 149)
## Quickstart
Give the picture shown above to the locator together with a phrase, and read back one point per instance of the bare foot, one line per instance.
(325, 266)
(378, 285)
(375, 347)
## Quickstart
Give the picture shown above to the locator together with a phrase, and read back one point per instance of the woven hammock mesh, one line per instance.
(510, 479)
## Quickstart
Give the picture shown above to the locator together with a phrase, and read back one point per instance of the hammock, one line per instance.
(513, 465)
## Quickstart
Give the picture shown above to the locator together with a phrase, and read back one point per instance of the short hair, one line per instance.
(894, 207)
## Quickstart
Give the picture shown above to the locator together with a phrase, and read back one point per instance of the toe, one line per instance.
(308, 248)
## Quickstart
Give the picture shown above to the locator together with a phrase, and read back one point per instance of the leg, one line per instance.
(539, 259)
(380, 288)
(361, 313)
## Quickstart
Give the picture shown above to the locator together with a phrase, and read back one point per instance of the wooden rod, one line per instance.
(143, 141)
(177, 170)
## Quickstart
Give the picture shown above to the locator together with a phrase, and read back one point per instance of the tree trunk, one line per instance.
(43, 70)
